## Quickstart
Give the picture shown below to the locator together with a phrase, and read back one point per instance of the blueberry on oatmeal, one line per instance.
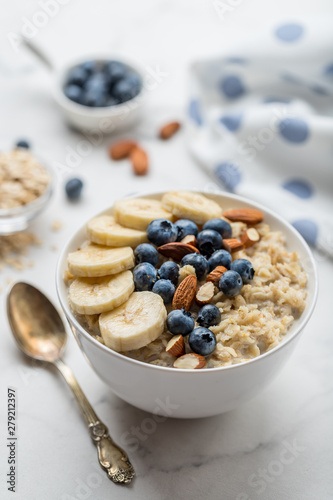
(230, 283)
(244, 268)
(199, 262)
(219, 258)
(202, 341)
(221, 226)
(144, 276)
(209, 241)
(146, 253)
(169, 271)
(165, 289)
(161, 231)
(180, 322)
(185, 227)
(209, 315)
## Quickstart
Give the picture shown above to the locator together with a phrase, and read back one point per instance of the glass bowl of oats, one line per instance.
(26, 186)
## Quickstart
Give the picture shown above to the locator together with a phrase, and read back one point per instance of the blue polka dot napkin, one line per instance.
(261, 122)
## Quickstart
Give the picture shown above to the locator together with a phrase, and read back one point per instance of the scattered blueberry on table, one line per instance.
(73, 188)
(165, 289)
(180, 322)
(244, 268)
(145, 276)
(202, 341)
(22, 144)
(230, 283)
(146, 253)
(102, 83)
(209, 315)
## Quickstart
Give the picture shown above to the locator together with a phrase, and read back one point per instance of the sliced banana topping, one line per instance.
(104, 230)
(96, 260)
(193, 206)
(97, 295)
(137, 213)
(135, 323)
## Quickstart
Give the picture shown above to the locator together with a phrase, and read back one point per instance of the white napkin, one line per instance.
(261, 121)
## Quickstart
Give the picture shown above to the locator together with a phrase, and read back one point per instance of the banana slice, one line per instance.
(193, 206)
(96, 260)
(97, 295)
(106, 231)
(134, 324)
(137, 213)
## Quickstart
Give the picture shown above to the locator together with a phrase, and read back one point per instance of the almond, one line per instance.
(169, 130)
(216, 274)
(185, 293)
(247, 215)
(121, 149)
(205, 293)
(176, 346)
(250, 237)
(176, 250)
(190, 361)
(190, 239)
(139, 159)
(232, 245)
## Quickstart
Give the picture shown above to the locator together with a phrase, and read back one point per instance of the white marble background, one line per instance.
(276, 447)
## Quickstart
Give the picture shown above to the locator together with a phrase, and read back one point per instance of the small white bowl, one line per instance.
(108, 119)
(17, 219)
(192, 393)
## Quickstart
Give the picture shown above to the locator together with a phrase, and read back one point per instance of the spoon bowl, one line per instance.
(36, 324)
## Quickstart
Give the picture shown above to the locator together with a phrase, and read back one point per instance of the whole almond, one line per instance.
(169, 130)
(247, 215)
(232, 245)
(139, 159)
(176, 250)
(205, 293)
(185, 293)
(250, 237)
(121, 149)
(190, 239)
(176, 346)
(190, 361)
(216, 274)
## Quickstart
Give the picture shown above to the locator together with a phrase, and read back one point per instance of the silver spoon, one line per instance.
(40, 333)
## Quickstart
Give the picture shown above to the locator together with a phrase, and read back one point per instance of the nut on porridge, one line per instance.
(185, 283)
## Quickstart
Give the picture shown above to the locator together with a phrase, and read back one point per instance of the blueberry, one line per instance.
(124, 90)
(202, 341)
(89, 67)
(111, 101)
(221, 226)
(94, 99)
(169, 271)
(161, 231)
(199, 262)
(146, 253)
(165, 289)
(244, 268)
(73, 188)
(96, 83)
(208, 241)
(230, 283)
(209, 315)
(180, 322)
(135, 81)
(74, 93)
(219, 258)
(22, 144)
(115, 70)
(77, 76)
(185, 227)
(144, 277)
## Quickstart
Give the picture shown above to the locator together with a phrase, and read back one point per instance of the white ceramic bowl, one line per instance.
(192, 393)
(105, 120)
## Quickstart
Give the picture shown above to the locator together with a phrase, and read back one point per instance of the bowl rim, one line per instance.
(37, 203)
(105, 111)
(304, 320)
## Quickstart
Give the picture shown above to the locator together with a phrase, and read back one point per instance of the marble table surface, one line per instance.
(277, 446)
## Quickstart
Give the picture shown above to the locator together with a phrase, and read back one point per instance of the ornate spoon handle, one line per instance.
(111, 457)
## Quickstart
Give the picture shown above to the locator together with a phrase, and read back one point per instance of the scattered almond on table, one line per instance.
(139, 160)
(168, 130)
